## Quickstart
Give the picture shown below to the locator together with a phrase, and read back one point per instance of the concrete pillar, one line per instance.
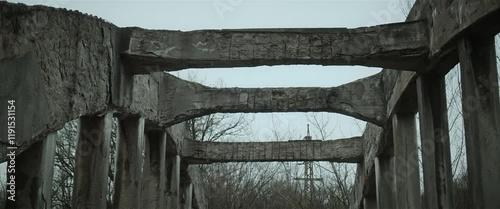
(436, 157)
(370, 202)
(384, 178)
(92, 162)
(154, 183)
(406, 165)
(128, 176)
(481, 112)
(174, 168)
(34, 173)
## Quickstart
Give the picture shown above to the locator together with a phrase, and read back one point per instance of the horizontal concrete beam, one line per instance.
(181, 100)
(396, 46)
(52, 80)
(348, 150)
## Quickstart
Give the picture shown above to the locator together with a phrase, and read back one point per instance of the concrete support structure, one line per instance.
(370, 202)
(385, 185)
(34, 168)
(56, 80)
(187, 200)
(173, 182)
(406, 165)
(358, 187)
(92, 162)
(154, 176)
(481, 112)
(432, 107)
(128, 176)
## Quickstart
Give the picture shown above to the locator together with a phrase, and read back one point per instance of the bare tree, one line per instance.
(340, 183)
(64, 165)
(217, 126)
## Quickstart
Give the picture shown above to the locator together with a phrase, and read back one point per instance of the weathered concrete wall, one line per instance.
(55, 64)
(179, 133)
(145, 95)
(59, 65)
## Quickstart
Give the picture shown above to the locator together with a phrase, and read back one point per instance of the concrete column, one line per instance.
(154, 183)
(370, 202)
(92, 162)
(436, 157)
(481, 112)
(34, 173)
(384, 178)
(128, 176)
(406, 165)
(174, 168)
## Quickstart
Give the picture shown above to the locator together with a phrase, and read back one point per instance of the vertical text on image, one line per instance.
(11, 154)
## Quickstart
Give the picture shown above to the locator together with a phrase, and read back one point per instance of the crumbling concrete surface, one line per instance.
(55, 64)
(396, 46)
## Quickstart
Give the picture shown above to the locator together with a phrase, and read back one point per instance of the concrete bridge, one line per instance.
(58, 65)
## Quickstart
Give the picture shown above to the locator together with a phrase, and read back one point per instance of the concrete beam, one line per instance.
(154, 171)
(128, 176)
(92, 162)
(348, 150)
(396, 46)
(361, 99)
